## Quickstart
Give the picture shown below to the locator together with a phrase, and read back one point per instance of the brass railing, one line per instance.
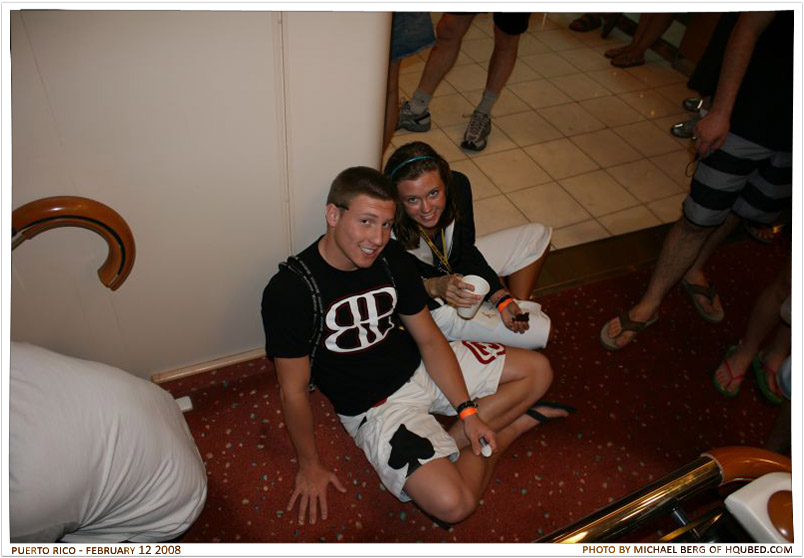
(715, 468)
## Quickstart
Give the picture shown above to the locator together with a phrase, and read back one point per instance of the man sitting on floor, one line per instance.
(335, 312)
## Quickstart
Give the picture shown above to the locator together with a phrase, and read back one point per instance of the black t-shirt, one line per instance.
(363, 355)
(763, 110)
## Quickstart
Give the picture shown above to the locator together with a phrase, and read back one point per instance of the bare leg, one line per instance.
(775, 353)
(449, 34)
(642, 25)
(639, 33)
(763, 319)
(525, 378)
(778, 349)
(522, 282)
(391, 103)
(503, 60)
(681, 247)
(450, 491)
(649, 29)
(654, 28)
(695, 274)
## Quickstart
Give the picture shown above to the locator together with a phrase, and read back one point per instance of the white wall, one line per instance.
(211, 133)
(335, 64)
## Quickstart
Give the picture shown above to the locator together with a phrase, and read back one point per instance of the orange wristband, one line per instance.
(503, 304)
(467, 413)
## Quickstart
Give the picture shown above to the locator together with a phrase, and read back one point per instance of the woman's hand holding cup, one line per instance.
(473, 289)
(456, 292)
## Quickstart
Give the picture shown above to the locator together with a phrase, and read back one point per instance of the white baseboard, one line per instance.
(207, 366)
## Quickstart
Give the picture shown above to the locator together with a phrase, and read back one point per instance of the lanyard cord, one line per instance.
(441, 257)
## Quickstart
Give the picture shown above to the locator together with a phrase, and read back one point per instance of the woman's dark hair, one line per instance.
(409, 162)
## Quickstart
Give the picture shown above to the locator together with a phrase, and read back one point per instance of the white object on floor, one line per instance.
(96, 454)
(185, 403)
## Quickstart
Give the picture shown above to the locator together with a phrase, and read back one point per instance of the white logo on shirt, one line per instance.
(360, 321)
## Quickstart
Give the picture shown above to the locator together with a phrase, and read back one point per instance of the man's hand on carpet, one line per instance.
(311, 491)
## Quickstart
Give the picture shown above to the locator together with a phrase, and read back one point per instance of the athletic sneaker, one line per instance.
(477, 132)
(685, 129)
(409, 120)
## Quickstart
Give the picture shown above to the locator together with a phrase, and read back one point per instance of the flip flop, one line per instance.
(443, 524)
(616, 51)
(708, 292)
(734, 379)
(532, 412)
(587, 22)
(766, 380)
(626, 324)
(765, 234)
(627, 61)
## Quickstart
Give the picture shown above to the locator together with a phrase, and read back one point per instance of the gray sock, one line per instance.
(420, 101)
(487, 102)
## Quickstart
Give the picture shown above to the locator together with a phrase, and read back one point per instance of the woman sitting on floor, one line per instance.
(435, 223)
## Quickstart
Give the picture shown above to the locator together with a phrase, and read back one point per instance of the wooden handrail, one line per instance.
(747, 463)
(44, 214)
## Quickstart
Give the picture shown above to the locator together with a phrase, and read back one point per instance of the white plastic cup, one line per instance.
(481, 288)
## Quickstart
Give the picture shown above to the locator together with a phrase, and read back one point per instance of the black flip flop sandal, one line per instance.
(626, 324)
(709, 293)
(532, 412)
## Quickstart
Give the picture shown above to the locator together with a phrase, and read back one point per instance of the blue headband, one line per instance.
(403, 163)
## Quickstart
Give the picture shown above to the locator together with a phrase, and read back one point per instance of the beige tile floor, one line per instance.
(576, 143)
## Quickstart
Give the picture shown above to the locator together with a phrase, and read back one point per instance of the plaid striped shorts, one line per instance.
(752, 181)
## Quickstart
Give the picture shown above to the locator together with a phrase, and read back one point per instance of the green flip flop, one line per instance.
(733, 378)
(766, 380)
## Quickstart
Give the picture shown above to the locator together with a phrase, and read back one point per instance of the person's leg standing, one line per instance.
(680, 248)
(508, 27)
(414, 114)
(716, 189)
(765, 178)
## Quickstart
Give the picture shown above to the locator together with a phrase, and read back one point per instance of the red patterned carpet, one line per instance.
(642, 413)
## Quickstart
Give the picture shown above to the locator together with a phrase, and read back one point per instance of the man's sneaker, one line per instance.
(685, 129)
(409, 120)
(692, 104)
(477, 132)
